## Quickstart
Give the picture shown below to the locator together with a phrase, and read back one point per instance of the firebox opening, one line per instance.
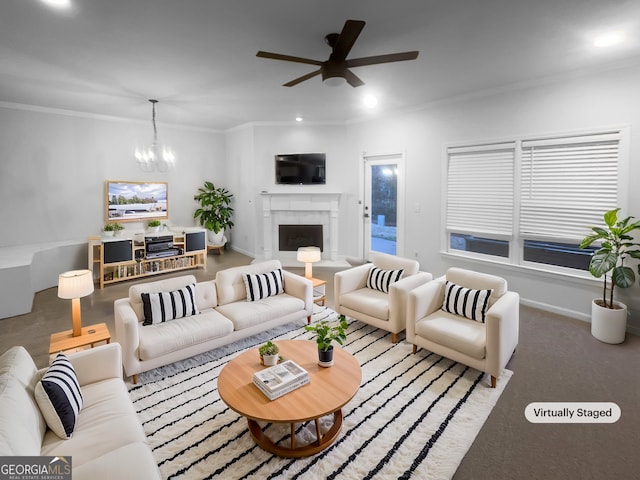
(291, 237)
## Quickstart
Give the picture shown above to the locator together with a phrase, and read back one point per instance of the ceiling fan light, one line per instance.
(333, 81)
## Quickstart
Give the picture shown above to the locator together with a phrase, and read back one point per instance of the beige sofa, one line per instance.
(108, 441)
(225, 316)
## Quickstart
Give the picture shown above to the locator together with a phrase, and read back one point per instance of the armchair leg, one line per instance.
(394, 338)
(309, 320)
(134, 377)
(415, 348)
(493, 381)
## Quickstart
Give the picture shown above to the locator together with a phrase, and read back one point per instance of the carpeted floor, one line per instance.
(415, 415)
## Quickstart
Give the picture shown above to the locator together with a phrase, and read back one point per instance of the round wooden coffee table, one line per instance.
(328, 390)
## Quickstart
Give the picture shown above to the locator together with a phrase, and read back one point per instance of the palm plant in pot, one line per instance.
(215, 211)
(326, 334)
(609, 317)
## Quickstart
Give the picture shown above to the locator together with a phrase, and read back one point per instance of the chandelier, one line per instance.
(156, 156)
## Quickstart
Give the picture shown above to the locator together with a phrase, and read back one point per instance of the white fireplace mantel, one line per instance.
(300, 209)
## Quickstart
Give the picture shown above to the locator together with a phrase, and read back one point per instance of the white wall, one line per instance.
(53, 168)
(583, 102)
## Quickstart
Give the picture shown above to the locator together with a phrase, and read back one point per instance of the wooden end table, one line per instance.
(319, 290)
(328, 390)
(90, 335)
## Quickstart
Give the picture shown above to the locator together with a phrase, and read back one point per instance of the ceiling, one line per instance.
(198, 57)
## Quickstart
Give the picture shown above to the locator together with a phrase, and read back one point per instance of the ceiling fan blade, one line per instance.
(352, 79)
(392, 57)
(287, 58)
(302, 79)
(347, 38)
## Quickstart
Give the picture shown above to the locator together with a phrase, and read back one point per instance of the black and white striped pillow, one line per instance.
(466, 302)
(381, 280)
(59, 397)
(164, 306)
(263, 285)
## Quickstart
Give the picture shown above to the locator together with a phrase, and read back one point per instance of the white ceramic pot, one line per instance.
(215, 238)
(153, 229)
(609, 325)
(270, 360)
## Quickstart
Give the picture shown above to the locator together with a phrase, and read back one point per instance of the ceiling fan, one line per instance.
(337, 66)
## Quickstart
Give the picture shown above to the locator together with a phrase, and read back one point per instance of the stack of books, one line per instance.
(280, 379)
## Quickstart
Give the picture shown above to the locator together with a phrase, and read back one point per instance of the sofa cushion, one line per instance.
(230, 284)
(160, 339)
(466, 302)
(368, 301)
(106, 423)
(164, 306)
(263, 285)
(458, 333)
(381, 280)
(59, 397)
(248, 314)
(22, 426)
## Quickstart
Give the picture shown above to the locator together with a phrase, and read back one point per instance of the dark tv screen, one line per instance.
(301, 169)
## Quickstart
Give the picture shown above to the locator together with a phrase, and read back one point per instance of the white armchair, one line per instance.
(383, 310)
(484, 346)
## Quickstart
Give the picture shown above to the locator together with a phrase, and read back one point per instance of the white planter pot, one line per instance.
(153, 229)
(270, 360)
(609, 325)
(215, 238)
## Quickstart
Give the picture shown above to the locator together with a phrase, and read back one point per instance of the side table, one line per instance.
(319, 290)
(90, 335)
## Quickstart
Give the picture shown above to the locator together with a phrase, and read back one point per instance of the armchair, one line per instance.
(486, 346)
(383, 310)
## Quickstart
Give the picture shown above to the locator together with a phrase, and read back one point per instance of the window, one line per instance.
(531, 201)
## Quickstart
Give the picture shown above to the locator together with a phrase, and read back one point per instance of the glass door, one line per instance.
(383, 188)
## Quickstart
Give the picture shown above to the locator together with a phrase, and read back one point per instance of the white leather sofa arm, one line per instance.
(503, 324)
(100, 363)
(398, 292)
(422, 301)
(300, 287)
(349, 280)
(126, 322)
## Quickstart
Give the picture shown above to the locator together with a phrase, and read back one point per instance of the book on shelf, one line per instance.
(275, 381)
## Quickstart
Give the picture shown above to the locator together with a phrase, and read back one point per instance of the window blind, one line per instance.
(480, 184)
(567, 184)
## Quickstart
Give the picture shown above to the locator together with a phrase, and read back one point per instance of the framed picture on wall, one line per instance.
(136, 201)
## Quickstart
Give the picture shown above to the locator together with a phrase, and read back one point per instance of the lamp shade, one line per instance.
(75, 284)
(308, 254)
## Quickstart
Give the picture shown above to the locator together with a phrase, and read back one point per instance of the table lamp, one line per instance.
(308, 255)
(74, 285)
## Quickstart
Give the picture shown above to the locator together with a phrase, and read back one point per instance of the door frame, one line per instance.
(364, 229)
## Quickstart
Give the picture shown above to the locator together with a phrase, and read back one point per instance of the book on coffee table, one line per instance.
(280, 379)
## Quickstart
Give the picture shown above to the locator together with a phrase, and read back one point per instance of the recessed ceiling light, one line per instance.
(608, 39)
(299, 119)
(370, 100)
(57, 3)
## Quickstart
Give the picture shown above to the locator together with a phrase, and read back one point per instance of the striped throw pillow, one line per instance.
(466, 302)
(263, 285)
(381, 280)
(164, 306)
(59, 397)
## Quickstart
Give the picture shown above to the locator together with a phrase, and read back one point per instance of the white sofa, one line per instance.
(225, 316)
(108, 441)
(386, 311)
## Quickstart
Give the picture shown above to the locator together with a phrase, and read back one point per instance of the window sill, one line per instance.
(577, 278)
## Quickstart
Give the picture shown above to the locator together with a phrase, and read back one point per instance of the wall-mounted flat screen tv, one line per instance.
(136, 201)
(301, 169)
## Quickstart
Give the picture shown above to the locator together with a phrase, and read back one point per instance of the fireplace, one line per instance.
(290, 237)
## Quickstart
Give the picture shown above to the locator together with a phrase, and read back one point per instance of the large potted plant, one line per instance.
(326, 333)
(215, 211)
(608, 316)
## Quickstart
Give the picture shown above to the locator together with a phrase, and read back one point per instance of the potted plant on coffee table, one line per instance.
(326, 333)
(609, 317)
(215, 211)
(269, 353)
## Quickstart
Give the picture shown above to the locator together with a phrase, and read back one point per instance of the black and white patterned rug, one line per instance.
(414, 415)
